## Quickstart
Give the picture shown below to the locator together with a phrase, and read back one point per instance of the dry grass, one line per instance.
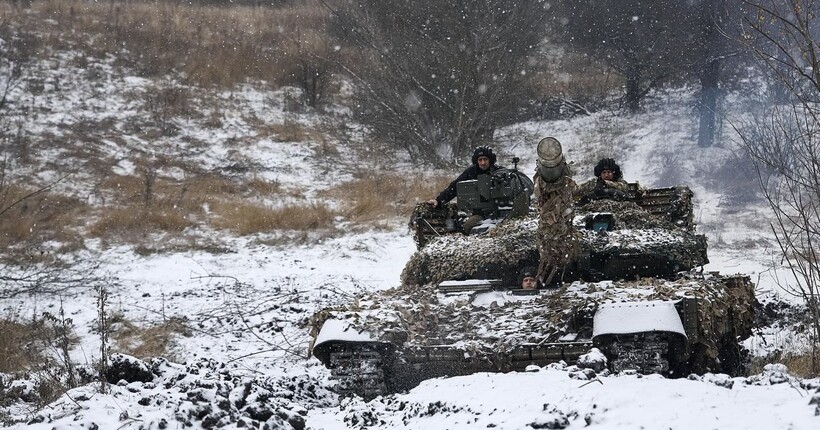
(39, 218)
(208, 45)
(145, 342)
(131, 224)
(143, 204)
(799, 364)
(246, 218)
(19, 349)
(291, 131)
(376, 197)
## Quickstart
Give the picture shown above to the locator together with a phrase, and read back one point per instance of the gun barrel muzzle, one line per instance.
(550, 159)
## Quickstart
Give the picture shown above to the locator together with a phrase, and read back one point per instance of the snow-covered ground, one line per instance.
(245, 355)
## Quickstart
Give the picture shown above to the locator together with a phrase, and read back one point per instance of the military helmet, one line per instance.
(608, 164)
(550, 153)
(484, 151)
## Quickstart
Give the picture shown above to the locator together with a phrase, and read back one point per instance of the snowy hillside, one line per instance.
(239, 355)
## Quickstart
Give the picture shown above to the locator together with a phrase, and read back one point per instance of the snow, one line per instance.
(340, 331)
(248, 308)
(624, 318)
(557, 397)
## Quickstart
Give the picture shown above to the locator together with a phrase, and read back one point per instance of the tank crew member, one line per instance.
(558, 242)
(526, 278)
(608, 182)
(483, 163)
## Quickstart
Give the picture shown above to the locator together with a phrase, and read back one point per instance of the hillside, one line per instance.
(208, 224)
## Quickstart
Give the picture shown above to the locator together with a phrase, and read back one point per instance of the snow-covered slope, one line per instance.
(244, 355)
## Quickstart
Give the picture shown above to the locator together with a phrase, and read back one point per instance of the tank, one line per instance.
(633, 294)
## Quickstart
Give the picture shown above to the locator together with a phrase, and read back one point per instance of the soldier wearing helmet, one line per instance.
(607, 184)
(483, 163)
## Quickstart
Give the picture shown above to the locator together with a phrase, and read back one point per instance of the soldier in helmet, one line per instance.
(483, 163)
(607, 184)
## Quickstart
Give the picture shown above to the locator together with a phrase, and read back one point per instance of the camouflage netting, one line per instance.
(497, 254)
(630, 215)
(495, 322)
(512, 244)
(558, 241)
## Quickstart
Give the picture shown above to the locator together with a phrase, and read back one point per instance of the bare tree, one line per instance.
(13, 56)
(437, 76)
(785, 142)
(646, 41)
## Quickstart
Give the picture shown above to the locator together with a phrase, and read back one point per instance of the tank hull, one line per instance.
(420, 333)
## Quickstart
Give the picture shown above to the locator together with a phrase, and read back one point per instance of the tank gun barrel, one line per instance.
(550, 164)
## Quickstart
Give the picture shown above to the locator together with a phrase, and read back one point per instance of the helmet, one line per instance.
(608, 164)
(484, 151)
(549, 151)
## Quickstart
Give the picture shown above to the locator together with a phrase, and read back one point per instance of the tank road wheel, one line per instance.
(644, 353)
(358, 369)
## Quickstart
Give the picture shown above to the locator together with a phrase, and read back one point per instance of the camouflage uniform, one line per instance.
(587, 189)
(558, 241)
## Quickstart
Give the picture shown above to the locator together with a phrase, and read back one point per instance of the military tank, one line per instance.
(634, 292)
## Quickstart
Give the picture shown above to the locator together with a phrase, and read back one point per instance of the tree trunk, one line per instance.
(708, 102)
(633, 88)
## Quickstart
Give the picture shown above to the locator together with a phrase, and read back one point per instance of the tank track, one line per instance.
(644, 353)
(358, 369)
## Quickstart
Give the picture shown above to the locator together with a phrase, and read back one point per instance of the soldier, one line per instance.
(558, 242)
(527, 278)
(483, 164)
(607, 184)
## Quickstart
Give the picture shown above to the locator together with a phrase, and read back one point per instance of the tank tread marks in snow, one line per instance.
(414, 333)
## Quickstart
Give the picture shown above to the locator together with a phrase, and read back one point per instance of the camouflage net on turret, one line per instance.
(495, 255)
(513, 244)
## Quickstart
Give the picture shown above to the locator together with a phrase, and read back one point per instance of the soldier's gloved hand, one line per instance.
(618, 194)
(600, 188)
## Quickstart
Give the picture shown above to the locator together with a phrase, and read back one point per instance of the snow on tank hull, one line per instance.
(393, 340)
(619, 240)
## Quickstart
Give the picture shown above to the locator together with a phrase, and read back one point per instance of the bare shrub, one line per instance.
(783, 142)
(311, 64)
(435, 78)
(245, 218)
(165, 102)
(571, 84)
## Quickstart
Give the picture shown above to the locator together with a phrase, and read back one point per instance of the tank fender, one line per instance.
(335, 331)
(636, 317)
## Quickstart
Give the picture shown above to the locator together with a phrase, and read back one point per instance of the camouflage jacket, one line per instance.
(588, 188)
